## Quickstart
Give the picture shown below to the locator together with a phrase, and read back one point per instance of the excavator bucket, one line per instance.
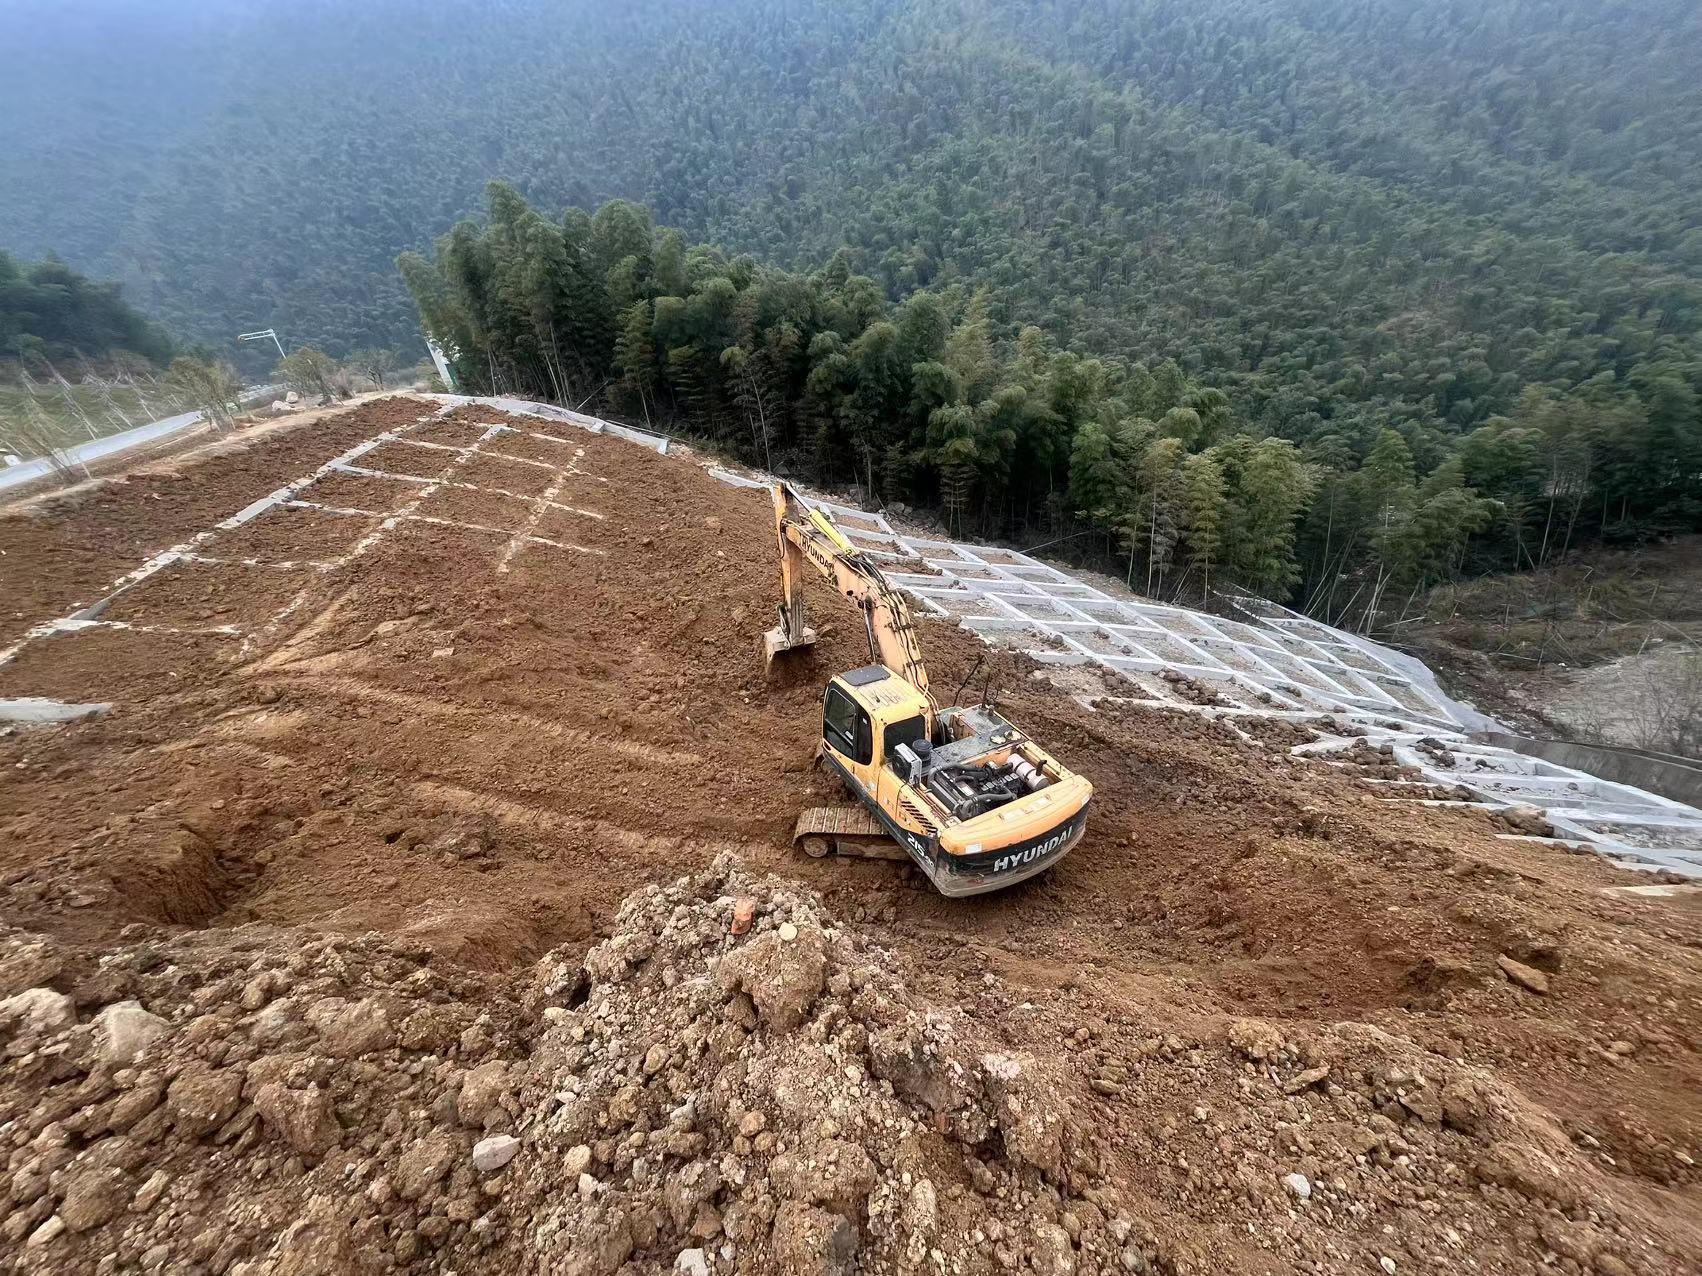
(777, 642)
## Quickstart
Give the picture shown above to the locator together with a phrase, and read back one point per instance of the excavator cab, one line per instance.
(969, 799)
(872, 720)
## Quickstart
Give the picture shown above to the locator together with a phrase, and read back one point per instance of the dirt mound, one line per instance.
(754, 1095)
(777, 1100)
(733, 1080)
(181, 1106)
(408, 744)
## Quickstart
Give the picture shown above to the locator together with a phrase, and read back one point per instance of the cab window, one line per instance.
(865, 738)
(839, 722)
(845, 727)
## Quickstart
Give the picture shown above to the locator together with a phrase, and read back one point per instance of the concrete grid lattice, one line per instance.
(1271, 664)
(442, 461)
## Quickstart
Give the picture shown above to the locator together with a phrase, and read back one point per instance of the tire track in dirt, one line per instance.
(321, 684)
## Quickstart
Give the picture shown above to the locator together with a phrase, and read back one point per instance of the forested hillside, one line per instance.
(76, 360)
(1326, 191)
(819, 374)
(49, 311)
(1474, 228)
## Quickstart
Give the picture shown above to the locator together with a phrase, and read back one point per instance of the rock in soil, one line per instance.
(1525, 976)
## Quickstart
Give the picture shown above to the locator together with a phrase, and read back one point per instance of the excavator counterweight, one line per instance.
(970, 799)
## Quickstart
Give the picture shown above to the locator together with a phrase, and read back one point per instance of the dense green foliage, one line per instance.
(821, 375)
(1449, 251)
(49, 311)
(1301, 193)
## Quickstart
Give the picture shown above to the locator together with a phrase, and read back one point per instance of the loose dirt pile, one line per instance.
(380, 772)
(732, 1081)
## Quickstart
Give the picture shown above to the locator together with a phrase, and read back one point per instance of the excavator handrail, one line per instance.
(807, 533)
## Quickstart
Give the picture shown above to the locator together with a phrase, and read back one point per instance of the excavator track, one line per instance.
(850, 830)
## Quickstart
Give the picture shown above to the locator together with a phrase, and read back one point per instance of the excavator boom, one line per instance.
(808, 535)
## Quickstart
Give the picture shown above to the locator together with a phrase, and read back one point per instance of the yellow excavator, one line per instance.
(970, 799)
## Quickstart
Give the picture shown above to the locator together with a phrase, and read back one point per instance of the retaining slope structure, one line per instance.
(444, 463)
(1276, 664)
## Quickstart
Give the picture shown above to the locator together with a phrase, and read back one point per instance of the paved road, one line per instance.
(95, 449)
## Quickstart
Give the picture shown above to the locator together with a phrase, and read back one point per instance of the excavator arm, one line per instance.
(809, 536)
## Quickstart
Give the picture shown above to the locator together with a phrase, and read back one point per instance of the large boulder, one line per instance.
(302, 1118)
(599, 1241)
(348, 1029)
(782, 976)
(31, 965)
(1052, 1253)
(813, 1242)
(419, 1169)
(484, 1090)
(492, 1154)
(920, 1059)
(38, 1010)
(1027, 1109)
(203, 1098)
(831, 1173)
(688, 1188)
(124, 1031)
(94, 1196)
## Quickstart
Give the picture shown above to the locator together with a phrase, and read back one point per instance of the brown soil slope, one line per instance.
(430, 775)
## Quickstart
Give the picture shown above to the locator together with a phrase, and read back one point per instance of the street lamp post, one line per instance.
(262, 335)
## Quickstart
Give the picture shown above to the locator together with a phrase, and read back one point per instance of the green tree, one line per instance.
(1158, 519)
(1268, 486)
(754, 391)
(49, 312)
(1205, 497)
(932, 399)
(635, 356)
(1094, 477)
(953, 445)
(307, 370)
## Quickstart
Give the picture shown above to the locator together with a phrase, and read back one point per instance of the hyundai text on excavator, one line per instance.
(974, 802)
